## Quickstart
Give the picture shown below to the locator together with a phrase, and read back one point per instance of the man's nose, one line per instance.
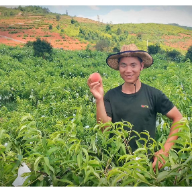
(128, 69)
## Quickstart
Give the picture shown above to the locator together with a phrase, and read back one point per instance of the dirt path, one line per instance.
(12, 39)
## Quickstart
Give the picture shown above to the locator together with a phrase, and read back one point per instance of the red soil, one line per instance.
(25, 35)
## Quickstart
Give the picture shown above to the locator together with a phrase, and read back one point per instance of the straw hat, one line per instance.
(130, 50)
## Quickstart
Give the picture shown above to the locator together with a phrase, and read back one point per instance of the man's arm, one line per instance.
(101, 112)
(175, 116)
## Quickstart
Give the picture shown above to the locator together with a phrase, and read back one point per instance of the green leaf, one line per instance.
(93, 162)
(118, 178)
(128, 181)
(79, 159)
(66, 181)
(127, 157)
(37, 162)
(189, 159)
(46, 169)
(86, 154)
(113, 172)
(52, 150)
(162, 175)
(140, 149)
(142, 178)
(48, 165)
(87, 173)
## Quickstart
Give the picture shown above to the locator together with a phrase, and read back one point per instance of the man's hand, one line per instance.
(96, 88)
(158, 156)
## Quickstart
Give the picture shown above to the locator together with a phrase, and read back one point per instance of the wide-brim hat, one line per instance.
(130, 50)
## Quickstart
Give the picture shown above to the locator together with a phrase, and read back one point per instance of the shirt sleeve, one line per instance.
(107, 105)
(164, 105)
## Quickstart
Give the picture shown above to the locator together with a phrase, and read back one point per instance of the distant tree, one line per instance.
(58, 27)
(139, 36)
(73, 21)
(50, 27)
(126, 33)
(153, 49)
(174, 55)
(42, 48)
(116, 49)
(102, 45)
(58, 17)
(108, 27)
(119, 31)
(20, 8)
(189, 53)
(29, 44)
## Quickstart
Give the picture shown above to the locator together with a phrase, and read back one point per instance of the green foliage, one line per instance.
(153, 49)
(108, 28)
(42, 48)
(13, 32)
(50, 27)
(73, 21)
(119, 31)
(34, 9)
(174, 55)
(102, 45)
(58, 17)
(47, 120)
(189, 53)
(29, 44)
(139, 36)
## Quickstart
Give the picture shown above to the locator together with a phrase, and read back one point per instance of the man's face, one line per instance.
(129, 68)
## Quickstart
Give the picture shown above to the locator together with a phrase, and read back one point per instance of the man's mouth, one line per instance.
(128, 76)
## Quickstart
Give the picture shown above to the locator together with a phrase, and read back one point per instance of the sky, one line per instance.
(165, 13)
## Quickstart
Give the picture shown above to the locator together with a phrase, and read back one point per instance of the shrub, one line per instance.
(108, 27)
(116, 49)
(189, 53)
(153, 49)
(13, 32)
(119, 31)
(29, 44)
(139, 36)
(42, 48)
(102, 45)
(50, 27)
(58, 17)
(174, 55)
(73, 21)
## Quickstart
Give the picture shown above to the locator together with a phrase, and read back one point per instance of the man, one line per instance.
(134, 101)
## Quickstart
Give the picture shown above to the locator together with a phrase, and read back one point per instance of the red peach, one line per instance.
(95, 77)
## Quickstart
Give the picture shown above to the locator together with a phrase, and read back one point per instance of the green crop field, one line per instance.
(47, 120)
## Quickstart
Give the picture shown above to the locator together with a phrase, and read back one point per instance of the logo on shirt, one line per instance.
(144, 106)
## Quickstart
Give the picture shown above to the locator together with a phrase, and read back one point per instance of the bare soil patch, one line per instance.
(182, 41)
(43, 32)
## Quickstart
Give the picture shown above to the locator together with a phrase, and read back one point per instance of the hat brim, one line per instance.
(112, 60)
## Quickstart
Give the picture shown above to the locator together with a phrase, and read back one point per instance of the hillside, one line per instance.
(73, 33)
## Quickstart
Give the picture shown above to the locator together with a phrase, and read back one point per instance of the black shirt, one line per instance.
(140, 108)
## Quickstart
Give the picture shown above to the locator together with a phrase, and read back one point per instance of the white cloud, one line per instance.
(161, 14)
(94, 7)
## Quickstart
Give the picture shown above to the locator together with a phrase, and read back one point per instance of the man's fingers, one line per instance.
(94, 85)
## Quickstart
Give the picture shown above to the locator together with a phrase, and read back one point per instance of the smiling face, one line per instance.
(130, 68)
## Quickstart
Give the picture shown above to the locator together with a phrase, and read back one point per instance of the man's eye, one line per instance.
(123, 65)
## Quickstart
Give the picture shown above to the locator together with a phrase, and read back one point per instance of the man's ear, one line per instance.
(142, 66)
